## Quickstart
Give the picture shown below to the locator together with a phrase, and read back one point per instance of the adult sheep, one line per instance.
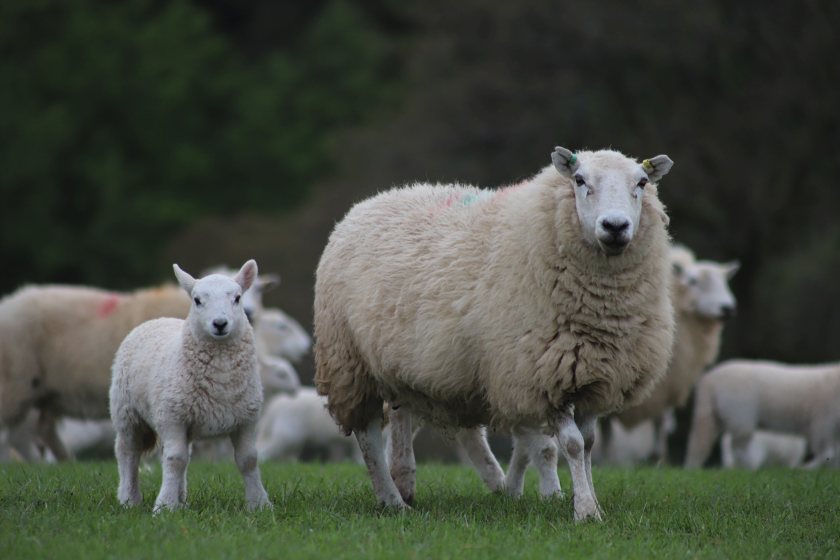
(537, 307)
(56, 348)
(743, 396)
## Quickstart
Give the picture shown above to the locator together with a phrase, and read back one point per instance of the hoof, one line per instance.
(592, 514)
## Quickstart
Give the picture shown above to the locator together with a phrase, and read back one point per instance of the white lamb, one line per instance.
(742, 396)
(765, 449)
(289, 422)
(280, 335)
(57, 344)
(413, 282)
(180, 380)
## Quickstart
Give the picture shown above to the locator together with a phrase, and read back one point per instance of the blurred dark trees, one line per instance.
(141, 132)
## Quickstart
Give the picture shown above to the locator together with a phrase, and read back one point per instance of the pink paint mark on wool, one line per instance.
(108, 305)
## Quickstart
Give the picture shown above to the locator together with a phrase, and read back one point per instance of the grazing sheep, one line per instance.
(180, 380)
(702, 302)
(57, 344)
(742, 396)
(764, 449)
(290, 422)
(278, 334)
(411, 285)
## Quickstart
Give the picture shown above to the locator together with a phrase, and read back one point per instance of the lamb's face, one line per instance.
(707, 288)
(609, 190)
(216, 310)
(283, 336)
(278, 376)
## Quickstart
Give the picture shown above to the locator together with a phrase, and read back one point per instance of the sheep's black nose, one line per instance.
(220, 324)
(615, 225)
(727, 311)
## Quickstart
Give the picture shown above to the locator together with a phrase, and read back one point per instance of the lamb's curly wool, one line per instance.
(481, 307)
(57, 344)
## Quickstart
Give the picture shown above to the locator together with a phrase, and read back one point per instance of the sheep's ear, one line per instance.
(731, 268)
(657, 167)
(184, 279)
(268, 282)
(565, 161)
(247, 274)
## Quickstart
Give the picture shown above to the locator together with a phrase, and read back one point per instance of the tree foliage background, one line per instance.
(140, 132)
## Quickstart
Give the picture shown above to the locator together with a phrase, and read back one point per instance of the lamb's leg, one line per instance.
(705, 428)
(403, 466)
(473, 442)
(519, 459)
(664, 426)
(587, 430)
(244, 442)
(742, 453)
(48, 434)
(572, 446)
(127, 449)
(182, 490)
(174, 460)
(825, 457)
(541, 450)
(373, 451)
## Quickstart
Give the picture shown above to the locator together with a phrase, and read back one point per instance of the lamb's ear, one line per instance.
(246, 275)
(184, 279)
(731, 268)
(564, 161)
(268, 282)
(657, 167)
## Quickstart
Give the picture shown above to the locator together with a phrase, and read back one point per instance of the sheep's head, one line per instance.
(283, 336)
(609, 188)
(216, 311)
(703, 289)
(278, 376)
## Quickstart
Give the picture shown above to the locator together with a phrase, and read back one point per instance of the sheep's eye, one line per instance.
(197, 301)
(692, 281)
(579, 180)
(236, 299)
(642, 183)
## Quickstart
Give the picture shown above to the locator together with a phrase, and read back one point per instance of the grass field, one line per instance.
(70, 511)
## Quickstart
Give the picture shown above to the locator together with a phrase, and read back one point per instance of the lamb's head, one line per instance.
(216, 311)
(278, 375)
(280, 335)
(609, 188)
(252, 299)
(703, 289)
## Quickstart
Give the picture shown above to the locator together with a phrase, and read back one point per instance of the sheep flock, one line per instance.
(610, 329)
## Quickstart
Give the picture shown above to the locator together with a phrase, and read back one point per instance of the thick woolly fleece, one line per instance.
(487, 307)
(57, 344)
(163, 375)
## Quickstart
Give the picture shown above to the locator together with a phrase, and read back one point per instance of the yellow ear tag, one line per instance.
(647, 166)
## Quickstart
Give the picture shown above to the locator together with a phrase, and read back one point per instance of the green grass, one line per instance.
(70, 511)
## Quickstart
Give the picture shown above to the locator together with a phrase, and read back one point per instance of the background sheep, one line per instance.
(278, 334)
(412, 282)
(764, 449)
(180, 380)
(56, 348)
(742, 396)
(291, 422)
(702, 301)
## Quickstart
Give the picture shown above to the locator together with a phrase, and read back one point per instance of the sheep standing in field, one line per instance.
(702, 302)
(764, 449)
(742, 396)
(180, 380)
(57, 344)
(413, 282)
(290, 422)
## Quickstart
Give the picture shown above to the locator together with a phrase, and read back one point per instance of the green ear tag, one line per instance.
(647, 166)
(572, 160)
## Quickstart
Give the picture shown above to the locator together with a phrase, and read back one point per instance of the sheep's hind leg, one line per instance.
(473, 442)
(533, 446)
(127, 449)
(175, 459)
(519, 459)
(244, 442)
(373, 451)
(587, 430)
(403, 465)
(572, 446)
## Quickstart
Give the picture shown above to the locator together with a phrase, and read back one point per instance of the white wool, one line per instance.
(743, 396)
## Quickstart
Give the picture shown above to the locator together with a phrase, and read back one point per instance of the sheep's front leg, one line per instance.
(587, 430)
(403, 465)
(473, 442)
(373, 451)
(532, 446)
(572, 447)
(175, 459)
(244, 442)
